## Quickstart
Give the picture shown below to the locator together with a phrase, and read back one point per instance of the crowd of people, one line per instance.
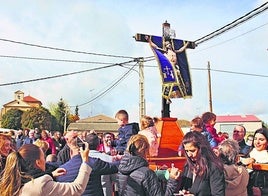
(39, 162)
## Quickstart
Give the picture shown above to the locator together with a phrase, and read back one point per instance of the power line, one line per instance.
(109, 88)
(233, 38)
(233, 24)
(229, 26)
(231, 72)
(150, 58)
(50, 59)
(64, 50)
(240, 73)
(62, 75)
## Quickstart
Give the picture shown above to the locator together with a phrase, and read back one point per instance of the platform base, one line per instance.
(171, 138)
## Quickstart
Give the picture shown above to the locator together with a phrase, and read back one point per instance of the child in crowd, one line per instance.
(250, 139)
(148, 129)
(125, 131)
(198, 125)
(209, 120)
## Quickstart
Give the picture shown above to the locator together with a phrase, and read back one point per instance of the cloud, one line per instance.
(106, 27)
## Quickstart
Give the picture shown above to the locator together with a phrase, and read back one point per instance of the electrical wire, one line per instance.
(232, 38)
(50, 59)
(231, 72)
(240, 73)
(64, 50)
(62, 75)
(109, 88)
(233, 24)
(146, 59)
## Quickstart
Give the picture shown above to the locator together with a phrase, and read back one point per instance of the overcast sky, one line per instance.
(107, 27)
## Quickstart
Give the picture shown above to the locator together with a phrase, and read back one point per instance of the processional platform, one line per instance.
(171, 138)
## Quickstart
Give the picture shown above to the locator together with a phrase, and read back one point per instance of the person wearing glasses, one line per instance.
(239, 133)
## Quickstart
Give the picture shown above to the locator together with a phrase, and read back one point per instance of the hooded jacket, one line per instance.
(135, 178)
(236, 180)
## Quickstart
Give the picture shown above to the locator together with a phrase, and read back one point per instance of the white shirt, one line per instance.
(100, 155)
(259, 156)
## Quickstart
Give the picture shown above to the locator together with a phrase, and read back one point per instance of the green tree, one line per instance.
(60, 111)
(52, 108)
(54, 124)
(12, 119)
(37, 118)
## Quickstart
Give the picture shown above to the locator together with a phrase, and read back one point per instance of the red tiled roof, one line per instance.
(238, 118)
(30, 99)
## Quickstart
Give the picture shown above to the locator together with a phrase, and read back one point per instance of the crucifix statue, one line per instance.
(170, 54)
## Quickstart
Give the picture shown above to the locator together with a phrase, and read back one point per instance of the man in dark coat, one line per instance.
(239, 133)
(99, 168)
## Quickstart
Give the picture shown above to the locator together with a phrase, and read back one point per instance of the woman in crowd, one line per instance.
(24, 174)
(203, 172)
(135, 177)
(5, 149)
(148, 129)
(259, 153)
(236, 177)
(43, 145)
(51, 146)
(258, 181)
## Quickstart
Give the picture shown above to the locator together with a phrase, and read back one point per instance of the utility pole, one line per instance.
(141, 85)
(209, 89)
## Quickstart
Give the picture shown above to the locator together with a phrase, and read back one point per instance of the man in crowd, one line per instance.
(99, 167)
(239, 133)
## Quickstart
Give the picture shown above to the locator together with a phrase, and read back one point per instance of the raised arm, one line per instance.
(152, 44)
(182, 48)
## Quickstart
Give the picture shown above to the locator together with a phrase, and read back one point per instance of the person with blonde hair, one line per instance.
(42, 144)
(5, 149)
(25, 175)
(148, 129)
(135, 177)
